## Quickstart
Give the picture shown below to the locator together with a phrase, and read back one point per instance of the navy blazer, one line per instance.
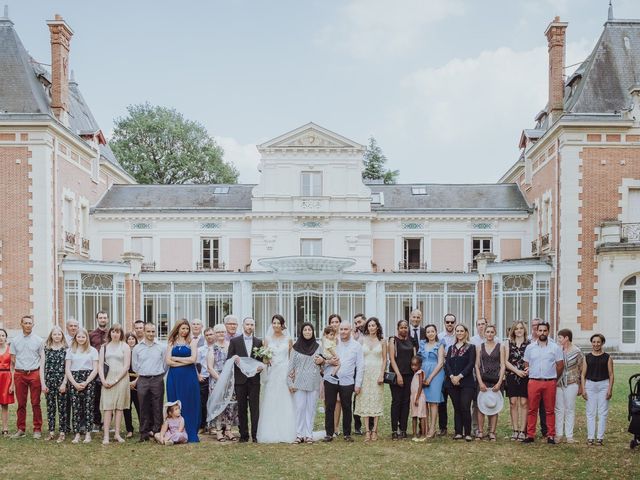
(237, 347)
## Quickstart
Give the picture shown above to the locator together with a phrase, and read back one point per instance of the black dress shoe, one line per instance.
(255, 440)
(243, 440)
(394, 436)
(442, 432)
(358, 432)
(403, 435)
(347, 438)
(528, 440)
(328, 438)
(143, 439)
(551, 441)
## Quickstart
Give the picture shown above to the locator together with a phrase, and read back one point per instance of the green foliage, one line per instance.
(158, 145)
(374, 164)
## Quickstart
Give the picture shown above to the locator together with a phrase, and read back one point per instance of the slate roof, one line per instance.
(174, 198)
(601, 84)
(452, 198)
(471, 199)
(22, 91)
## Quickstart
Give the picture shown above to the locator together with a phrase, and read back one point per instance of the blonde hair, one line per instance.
(49, 341)
(512, 330)
(466, 331)
(75, 344)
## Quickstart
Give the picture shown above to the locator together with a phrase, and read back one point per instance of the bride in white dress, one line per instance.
(277, 422)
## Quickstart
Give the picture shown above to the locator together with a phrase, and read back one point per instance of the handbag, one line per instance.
(390, 378)
(105, 368)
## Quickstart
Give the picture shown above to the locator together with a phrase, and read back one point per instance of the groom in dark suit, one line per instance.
(247, 389)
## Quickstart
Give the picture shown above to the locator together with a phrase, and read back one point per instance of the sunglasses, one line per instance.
(449, 323)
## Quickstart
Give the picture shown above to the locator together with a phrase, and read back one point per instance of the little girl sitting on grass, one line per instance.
(172, 430)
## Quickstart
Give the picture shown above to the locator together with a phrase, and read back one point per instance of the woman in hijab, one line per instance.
(304, 381)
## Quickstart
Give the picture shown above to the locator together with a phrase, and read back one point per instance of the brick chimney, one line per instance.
(61, 35)
(556, 35)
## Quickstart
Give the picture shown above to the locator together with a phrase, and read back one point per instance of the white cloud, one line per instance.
(244, 157)
(472, 110)
(372, 27)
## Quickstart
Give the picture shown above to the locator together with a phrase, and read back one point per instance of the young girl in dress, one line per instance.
(6, 392)
(418, 400)
(172, 430)
(81, 368)
(54, 382)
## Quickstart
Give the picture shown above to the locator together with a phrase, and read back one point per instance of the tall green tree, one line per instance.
(374, 164)
(158, 145)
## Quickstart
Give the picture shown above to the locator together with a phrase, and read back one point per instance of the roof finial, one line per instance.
(610, 16)
(6, 12)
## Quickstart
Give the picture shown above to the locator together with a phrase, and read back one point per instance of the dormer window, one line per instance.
(311, 184)
(419, 190)
(220, 190)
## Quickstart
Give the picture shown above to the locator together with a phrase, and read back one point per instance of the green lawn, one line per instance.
(441, 458)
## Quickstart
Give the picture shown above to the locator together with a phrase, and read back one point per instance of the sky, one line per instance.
(445, 86)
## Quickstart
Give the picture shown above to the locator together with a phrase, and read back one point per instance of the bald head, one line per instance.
(345, 331)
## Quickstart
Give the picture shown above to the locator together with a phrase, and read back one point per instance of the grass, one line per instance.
(441, 458)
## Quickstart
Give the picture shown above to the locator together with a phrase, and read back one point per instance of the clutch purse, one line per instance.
(390, 378)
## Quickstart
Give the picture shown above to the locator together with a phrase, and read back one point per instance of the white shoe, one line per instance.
(18, 434)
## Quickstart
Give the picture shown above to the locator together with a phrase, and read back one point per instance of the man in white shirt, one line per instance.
(71, 327)
(478, 338)
(203, 375)
(544, 362)
(533, 336)
(447, 338)
(416, 330)
(349, 380)
(25, 349)
(138, 330)
(148, 361)
(196, 331)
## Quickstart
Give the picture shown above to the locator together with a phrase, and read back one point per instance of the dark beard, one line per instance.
(542, 338)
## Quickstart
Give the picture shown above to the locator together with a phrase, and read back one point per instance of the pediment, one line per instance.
(310, 136)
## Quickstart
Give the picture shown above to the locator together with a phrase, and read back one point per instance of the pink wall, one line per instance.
(239, 253)
(447, 254)
(112, 249)
(510, 248)
(383, 254)
(176, 254)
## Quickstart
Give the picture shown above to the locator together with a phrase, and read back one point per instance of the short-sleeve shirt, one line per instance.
(27, 349)
(82, 360)
(542, 360)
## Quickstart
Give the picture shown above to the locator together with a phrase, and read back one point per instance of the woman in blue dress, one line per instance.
(182, 379)
(432, 354)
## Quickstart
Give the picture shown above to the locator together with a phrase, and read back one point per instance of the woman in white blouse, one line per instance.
(81, 368)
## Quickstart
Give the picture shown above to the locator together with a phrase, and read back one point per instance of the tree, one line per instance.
(374, 164)
(158, 145)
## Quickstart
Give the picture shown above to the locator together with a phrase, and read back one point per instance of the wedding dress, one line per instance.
(277, 421)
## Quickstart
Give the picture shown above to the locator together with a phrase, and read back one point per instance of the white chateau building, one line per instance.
(558, 237)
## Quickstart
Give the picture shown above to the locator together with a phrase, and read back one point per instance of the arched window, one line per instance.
(630, 309)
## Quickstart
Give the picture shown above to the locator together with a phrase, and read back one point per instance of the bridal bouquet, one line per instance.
(264, 353)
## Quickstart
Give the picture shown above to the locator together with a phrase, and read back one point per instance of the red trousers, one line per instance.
(546, 390)
(26, 384)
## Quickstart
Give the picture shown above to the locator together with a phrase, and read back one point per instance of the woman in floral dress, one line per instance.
(215, 361)
(54, 382)
(517, 378)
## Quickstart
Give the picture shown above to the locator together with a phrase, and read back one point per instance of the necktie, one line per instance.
(415, 333)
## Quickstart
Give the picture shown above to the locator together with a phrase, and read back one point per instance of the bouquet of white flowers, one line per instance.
(263, 353)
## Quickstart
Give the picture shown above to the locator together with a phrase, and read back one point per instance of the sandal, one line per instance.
(367, 436)
(521, 436)
(230, 436)
(129, 435)
(220, 437)
(374, 435)
(308, 440)
(51, 436)
(299, 440)
(479, 436)
(492, 437)
(514, 436)
(590, 442)
(60, 438)
(5, 433)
